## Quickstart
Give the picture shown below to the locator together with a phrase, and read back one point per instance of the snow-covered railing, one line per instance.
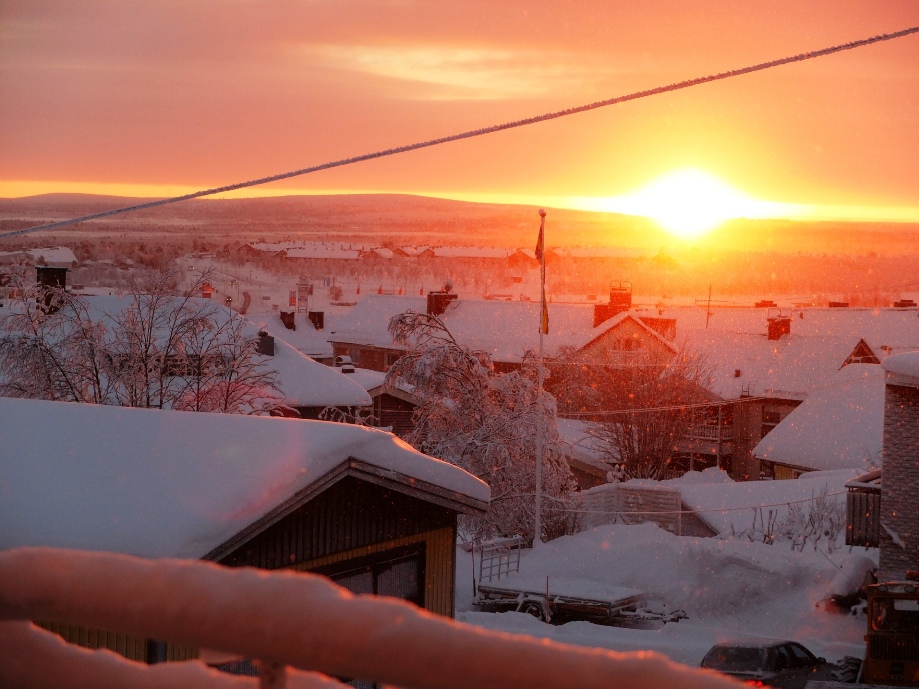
(723, 433)
(285, 619)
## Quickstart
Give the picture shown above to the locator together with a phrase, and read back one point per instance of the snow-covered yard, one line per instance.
(728, 588)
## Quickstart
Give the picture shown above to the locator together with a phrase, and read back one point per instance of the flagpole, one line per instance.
(543, 325)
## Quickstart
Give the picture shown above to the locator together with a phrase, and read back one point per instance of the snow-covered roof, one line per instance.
(366, 378)
(880, 327)
(159, 483)
(503, 329)
(787, 368)
(903, 368)
(62, 256)
(839, 425)
(307, 383)
(583, 445)
(470, 252)
(305, 338)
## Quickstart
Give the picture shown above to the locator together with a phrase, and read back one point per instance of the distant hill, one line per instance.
(407, 219)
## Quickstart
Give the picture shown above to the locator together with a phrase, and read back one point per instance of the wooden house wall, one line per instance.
(863, 518)
(440, 554)
(350, 514)
(394, 413)
(354, 519)
(130, 646)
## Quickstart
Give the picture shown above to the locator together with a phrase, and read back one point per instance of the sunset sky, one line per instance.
(169, 96)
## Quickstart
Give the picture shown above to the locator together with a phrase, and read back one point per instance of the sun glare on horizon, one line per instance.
(689, 203)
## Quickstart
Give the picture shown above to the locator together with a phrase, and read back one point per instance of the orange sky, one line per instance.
(173, 96)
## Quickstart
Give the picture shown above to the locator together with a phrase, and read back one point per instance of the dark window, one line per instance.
(734, 659)
(803, 657)
(397, 573)
(771, 419)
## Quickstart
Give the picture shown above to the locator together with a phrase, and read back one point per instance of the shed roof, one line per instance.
(158, 483)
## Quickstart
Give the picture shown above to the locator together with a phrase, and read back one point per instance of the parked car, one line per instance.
(767, 663)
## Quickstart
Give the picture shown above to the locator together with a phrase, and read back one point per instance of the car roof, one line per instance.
(753, 643)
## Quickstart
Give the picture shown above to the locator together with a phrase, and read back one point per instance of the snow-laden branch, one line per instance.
(307, 622)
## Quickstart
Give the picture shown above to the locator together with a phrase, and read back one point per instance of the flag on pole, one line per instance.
(541, 255)
(541, 240)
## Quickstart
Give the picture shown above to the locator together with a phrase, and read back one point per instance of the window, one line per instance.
(398, 573)
(771, 419)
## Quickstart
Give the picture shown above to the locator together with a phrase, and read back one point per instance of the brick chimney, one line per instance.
(899, 546)
(50, 279)
(439, 301)
(620, 299)
(264, 344)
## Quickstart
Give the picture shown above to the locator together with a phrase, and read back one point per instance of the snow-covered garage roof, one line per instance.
(179, 484)
(839, 425)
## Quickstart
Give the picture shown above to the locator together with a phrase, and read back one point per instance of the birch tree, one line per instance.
(485, 423)
(161, 348)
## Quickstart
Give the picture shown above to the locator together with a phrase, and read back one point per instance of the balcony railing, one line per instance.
(709, 432)
(287, 619)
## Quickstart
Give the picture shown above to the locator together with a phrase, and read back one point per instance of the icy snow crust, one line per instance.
(729, 589)
(172, 484)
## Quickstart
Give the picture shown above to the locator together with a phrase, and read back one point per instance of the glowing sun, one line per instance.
(688, 203)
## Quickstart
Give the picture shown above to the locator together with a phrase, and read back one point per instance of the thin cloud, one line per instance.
(443, 72)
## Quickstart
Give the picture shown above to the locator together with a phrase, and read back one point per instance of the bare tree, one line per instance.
(485, 423)
(647, 410)
(159, 348)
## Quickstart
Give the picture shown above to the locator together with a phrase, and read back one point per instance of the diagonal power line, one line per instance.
(479, 132)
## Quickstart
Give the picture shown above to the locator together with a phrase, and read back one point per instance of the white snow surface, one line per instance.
(305, 338)
(584, 446)
(729, 588)
(786, 368)
(839, 425)
(905, 364)
(159, 483)
(723, 503)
